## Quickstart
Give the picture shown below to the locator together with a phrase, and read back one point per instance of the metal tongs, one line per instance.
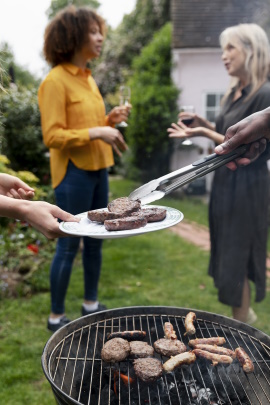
(158, 188)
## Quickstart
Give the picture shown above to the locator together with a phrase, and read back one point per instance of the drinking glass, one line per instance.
(187, 120)
(124, 100)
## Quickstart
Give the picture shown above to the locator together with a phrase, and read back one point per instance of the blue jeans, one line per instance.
(80, 191)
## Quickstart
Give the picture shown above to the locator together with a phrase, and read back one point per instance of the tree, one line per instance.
(21, 132)
(126, 42)
(154, 107)
(57, 5)
(21, 76)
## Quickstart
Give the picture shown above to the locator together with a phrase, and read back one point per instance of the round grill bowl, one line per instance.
(72, 363)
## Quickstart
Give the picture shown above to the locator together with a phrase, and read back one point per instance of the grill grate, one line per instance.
(76, 371)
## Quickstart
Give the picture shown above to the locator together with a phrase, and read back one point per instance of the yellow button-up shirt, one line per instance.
(70, 103)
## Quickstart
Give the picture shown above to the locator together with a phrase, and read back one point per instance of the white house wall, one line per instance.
(196, 72)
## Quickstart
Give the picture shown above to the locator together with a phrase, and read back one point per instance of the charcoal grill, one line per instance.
(72, 363)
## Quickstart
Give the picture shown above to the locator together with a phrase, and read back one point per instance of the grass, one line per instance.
(158, 268)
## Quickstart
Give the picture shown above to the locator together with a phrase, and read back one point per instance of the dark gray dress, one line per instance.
(238, 211)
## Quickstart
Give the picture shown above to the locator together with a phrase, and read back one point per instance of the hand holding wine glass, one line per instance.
(186, 116)
(124, 101)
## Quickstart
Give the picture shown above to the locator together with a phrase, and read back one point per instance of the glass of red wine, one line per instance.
(187, 120)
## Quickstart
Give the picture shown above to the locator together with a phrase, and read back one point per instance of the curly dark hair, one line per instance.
(68, 32)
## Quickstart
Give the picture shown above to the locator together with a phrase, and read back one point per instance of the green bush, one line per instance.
(21, 133)
(24, 254)
(41, 193)
(154, 107)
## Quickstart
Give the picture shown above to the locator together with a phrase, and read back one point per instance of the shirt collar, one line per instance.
(244, 91)
(75, 70)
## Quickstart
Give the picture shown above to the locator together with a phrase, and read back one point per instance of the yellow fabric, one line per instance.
(70, 103)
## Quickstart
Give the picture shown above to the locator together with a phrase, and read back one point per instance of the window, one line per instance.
(212, 105)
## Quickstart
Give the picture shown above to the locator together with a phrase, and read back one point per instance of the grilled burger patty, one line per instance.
(141, 349)
(126, 223)
(148, 369)
(152, 214)
(101, 215)
(124, 206)
(125, 214)
(115, 350)
(168, 347)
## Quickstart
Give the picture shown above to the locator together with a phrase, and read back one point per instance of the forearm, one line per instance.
(206, 124)
(213, 135)
(59, 138)
(12, 208)
(95, 133)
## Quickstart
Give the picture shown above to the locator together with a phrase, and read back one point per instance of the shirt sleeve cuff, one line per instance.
(108, 122)
(84, 134)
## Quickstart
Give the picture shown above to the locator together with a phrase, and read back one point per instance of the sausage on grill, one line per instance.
(219, 341)
(128, 335)
(179, 360)
(189, 323)
(216, 349)
(169, 331)
(215, 358)
(244, 360)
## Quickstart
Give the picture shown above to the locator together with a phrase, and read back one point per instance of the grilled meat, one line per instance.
(125, 223)
(148, 369)
(115, 350)
(216, 349)
(179, 360)
(141, 349)
(152, 214)
(101, 215)
(244, 360)
(215, 358)
(169, 331)
(189, 323)
(125, 214)
(168, 347)
(218, 341)
(128, 335)
(124, 206)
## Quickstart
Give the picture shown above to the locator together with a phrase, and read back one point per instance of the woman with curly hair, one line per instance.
(81, 139)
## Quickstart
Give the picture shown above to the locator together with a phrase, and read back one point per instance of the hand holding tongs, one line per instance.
(158, 188)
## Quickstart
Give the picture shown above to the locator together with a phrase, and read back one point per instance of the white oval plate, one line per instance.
(97, 230)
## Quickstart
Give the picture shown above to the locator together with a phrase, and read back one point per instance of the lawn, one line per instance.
(158, 268)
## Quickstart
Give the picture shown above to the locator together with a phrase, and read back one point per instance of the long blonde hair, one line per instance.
(252, 39)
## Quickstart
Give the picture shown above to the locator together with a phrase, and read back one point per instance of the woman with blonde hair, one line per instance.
(239, 199)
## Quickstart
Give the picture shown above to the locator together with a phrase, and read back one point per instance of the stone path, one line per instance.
(199, 236)
(194, 233)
